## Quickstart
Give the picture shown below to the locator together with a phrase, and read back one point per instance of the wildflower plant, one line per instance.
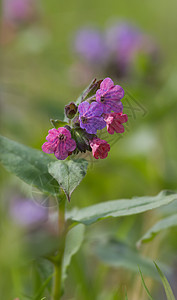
(99, 106)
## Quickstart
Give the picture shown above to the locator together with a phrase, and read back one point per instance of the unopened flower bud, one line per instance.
(70, 110)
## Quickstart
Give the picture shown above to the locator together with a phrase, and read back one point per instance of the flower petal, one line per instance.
(95, 109)
(49, 147)
(66, 132)
(70, 145)
(106, 84)
(83, 107)
(53, 133)
(61, 152)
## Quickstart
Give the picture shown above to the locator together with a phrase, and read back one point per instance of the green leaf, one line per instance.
(58, 123)
(143, 282)
(74, 240)
(89, 91)
(120, 255)
(68, 174)
(118, 208)
(165, 283)
(126, 297)
(42, 288)
(163, 224)
(28, 164)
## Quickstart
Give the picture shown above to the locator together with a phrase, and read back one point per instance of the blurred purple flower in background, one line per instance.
(90, 45)
(123, 40)
(18, 11)
(126, 41)
(27, 213)
(122, 50)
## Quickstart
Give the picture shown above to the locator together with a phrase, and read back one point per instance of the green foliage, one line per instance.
(89, 91)
(57, 123)
(120, 255)
(143, 282)
(74, 240)
(118, 208)
(28, 164)
(42, 288)
(68, 174)
(165, 283)
(126, 297)
(161, 225)
(168, 290)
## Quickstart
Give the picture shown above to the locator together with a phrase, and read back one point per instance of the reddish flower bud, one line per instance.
(100, 148)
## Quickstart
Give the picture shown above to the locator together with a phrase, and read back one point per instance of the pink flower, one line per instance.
(59, 142)
(114, 122)
(100, 148)
(18, 10)
(109, 96)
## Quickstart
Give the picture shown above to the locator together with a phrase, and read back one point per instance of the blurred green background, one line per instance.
(36, 83)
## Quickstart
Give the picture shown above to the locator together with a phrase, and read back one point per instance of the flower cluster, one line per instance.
(100, 106)
(121, 49)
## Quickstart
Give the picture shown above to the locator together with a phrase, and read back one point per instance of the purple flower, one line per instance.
(109, 96)
(90, 117)
(27, 213)
(59, 142)
(126, 42)
(89, 44)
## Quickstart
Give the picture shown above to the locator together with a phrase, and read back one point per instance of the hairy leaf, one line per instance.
(118, 208)
(69, 174)
(57, 123)
(120, 255)
(74, 240)
(28, 164)
(163, 224)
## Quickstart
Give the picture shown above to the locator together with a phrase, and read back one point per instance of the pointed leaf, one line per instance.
(168, 290)
(118, 208)
(126, 297)
(28, 164)
(69, 174)
(143, 282)
(163, 224)
(57, 123)
(89, 91)
(120, 255)
(74, 240)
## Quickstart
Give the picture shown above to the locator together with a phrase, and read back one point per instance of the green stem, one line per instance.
(57, 283)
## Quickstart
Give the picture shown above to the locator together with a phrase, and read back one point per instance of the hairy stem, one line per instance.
(57, 282)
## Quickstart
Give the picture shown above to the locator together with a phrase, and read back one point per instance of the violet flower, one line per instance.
(90, 117)
(59, 142)
(25, 212)
(90, 44)
(125, 42)
(109, 96)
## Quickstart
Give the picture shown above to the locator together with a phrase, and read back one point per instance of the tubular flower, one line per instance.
(91, 112)
(109, 96)
(59, 142)
(90, 117)
(114, 122)
(100, 148)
